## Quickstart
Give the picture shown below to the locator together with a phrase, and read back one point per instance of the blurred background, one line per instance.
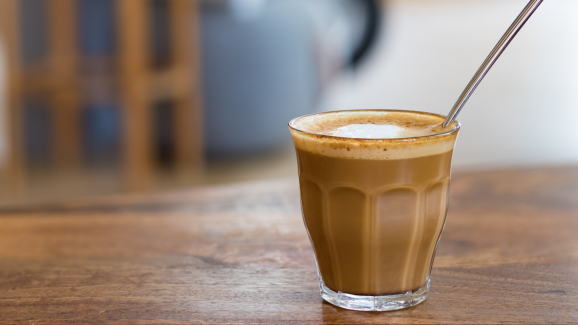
(101, 97)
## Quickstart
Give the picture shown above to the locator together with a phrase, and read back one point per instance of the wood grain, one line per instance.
(240, 254)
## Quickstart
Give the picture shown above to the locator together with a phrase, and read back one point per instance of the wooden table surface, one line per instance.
(240, 254)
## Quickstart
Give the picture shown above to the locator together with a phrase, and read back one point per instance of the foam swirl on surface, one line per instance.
(373, 134)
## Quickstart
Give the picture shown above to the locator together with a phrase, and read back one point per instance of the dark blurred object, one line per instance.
(101, 133)
(97, 26)
(266, 62)
(372, 23)
(164, 114)
(38, 137)
(33, 29)
(160, 27)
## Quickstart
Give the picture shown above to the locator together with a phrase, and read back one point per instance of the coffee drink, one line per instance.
(374, 190)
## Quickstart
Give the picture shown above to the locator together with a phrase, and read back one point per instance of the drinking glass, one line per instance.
(374, 209)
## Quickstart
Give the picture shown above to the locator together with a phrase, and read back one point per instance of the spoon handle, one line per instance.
(492, 58)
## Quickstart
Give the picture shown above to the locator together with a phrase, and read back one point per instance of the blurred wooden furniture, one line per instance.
(240, 254)
(141, 85)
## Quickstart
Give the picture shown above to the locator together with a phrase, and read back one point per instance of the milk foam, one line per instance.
(377, 131)
(373, 134)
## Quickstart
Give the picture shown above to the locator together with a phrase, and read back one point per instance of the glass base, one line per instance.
(374, 303)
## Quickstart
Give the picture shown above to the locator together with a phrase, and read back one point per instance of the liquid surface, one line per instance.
(378, 131)
(373, 134)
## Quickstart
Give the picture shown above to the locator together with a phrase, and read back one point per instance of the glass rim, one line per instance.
(435, 135)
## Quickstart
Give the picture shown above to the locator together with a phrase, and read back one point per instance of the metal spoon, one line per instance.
(492, 58)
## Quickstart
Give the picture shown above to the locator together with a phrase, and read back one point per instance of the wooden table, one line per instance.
(240, 254)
